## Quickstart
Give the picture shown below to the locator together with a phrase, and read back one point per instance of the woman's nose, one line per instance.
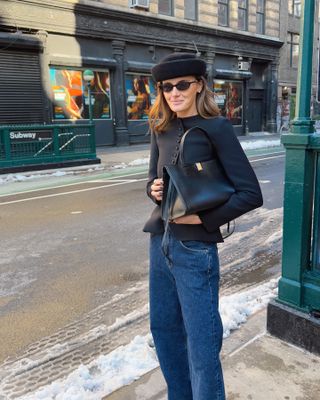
(175, 91)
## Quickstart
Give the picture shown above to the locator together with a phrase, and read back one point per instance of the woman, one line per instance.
(184, 269)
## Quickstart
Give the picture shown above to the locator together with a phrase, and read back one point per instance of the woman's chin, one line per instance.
(177, 108)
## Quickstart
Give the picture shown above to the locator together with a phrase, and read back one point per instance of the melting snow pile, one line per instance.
(127, 363)
(236, 308)
(22, 178)
(259, 144)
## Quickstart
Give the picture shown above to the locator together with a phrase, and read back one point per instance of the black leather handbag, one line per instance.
(193, 187)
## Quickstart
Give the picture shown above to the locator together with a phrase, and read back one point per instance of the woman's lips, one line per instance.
(176, 103)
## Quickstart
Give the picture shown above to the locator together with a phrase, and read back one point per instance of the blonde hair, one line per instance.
(160, 113)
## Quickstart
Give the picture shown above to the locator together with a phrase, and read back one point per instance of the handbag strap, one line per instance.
(183, 139)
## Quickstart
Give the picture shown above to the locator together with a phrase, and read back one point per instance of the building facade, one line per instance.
(290, 15)
(46, 45)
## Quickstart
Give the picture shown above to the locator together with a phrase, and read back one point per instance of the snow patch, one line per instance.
(259, 144)
(139, 161)
(128, 363)
(119, 166)
(235, 309)
(134, 163)
(104, 375)
(10, 178)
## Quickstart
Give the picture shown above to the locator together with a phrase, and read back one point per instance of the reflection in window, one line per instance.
(242, 15)
(228, 96)
(165, 7)
(295, 8)
(223, 12)
(191, 9)
(141, 93)
(70, 94)
(260, 16)
(293, 49)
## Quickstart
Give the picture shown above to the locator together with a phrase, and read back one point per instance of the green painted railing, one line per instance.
(44, 144)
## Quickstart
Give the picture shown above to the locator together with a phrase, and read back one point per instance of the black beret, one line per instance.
(178, 64)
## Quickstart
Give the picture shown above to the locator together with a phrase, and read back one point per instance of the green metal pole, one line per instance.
(299, 179)
(302, 122)
(90, 104)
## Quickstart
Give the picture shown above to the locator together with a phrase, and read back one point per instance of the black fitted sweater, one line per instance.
(164, 150)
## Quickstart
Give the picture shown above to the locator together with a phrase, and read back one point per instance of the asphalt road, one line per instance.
(68, 249)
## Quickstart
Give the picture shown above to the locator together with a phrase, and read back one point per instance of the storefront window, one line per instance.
(228, 96)
(70, 94)
(141, 94)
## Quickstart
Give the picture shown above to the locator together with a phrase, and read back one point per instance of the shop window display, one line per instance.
(70, 94)
(228, 96)
(141, 94)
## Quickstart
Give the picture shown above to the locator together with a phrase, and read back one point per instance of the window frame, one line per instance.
(293, 6)
(245, 10)
(196, 11)
(171, 8)
(291, 43)
(225, 4)
(263, 14)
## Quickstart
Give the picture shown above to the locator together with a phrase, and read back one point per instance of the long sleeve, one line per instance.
(247, 194)
(153, 166)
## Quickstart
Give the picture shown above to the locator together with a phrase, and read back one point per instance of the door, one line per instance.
(255, 112)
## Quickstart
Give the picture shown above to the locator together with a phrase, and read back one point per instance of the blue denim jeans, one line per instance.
(184, 316)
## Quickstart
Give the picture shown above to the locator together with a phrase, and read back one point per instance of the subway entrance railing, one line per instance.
(299, 285)
(26, 145)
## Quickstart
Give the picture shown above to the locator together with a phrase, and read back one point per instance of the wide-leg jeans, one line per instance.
(184, 316)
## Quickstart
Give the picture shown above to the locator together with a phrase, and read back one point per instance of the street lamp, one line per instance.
(88, 75)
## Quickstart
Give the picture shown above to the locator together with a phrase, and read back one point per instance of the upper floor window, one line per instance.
(223, 12)
(260, 16)
(165, 7)
(191, 9)
(243, 15)
(293, 49)
(295, 8)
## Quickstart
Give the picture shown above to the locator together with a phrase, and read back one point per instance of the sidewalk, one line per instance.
(118, 158)
(256, 366)
(111, 156)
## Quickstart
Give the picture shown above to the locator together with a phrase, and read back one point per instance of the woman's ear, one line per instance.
(200, 82)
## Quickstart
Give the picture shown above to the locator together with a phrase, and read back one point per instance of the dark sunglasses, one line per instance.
(181, 86)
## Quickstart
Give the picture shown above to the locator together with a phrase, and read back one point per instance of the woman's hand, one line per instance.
(157, 189)
(192, 219)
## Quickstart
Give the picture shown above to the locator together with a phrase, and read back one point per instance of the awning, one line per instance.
(230, 73)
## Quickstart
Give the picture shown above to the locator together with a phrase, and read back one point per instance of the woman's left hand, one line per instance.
(192, 219)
